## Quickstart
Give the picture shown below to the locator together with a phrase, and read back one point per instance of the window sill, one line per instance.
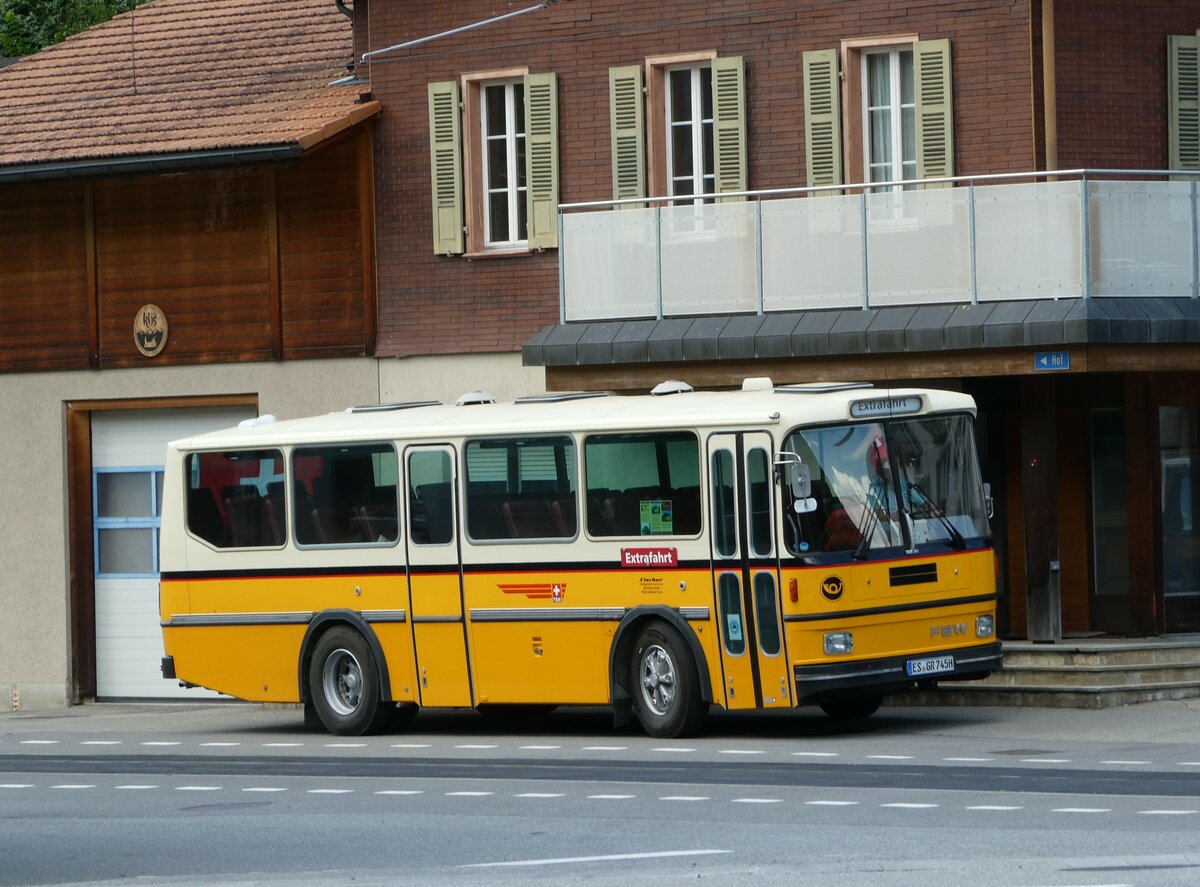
(499, 253)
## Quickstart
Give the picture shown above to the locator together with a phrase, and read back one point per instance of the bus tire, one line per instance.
(343, 682)
(852, 709)
(665, 687)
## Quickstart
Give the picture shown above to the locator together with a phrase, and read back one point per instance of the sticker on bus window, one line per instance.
(657, 517)
(734, 621)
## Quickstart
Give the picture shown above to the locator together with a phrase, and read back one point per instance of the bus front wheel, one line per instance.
(665, 686)
(343, 683)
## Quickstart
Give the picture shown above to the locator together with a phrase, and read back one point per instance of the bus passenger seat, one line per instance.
(531, 519)
(204, 518)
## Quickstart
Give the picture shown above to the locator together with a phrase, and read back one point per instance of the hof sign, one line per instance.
(150, 330)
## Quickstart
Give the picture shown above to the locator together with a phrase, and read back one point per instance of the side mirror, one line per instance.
(800, 478)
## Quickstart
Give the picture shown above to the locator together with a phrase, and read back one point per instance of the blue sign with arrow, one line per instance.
(1052, 360)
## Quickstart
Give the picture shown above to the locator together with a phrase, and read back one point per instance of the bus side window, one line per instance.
(642, 484)
(430, 498)
(226, 503)
(353, 498)
(521, 488)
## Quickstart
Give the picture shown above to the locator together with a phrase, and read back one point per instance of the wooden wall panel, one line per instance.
(1014, 498)
(196, 246)
(1073, 547)
(43, 277)
(255, 263)
(320, 255)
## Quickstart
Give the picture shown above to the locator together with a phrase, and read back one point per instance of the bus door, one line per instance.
(746, 570)
(435, 590)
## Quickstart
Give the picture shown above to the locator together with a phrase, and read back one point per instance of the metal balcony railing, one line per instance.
(1037, 235)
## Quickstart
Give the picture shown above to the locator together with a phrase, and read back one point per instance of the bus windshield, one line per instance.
(911, 483)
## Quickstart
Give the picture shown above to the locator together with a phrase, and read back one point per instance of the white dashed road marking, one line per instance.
(1167, 812)
(579, 859)
(757, 800)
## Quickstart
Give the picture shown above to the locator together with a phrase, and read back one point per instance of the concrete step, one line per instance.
(1080, 673)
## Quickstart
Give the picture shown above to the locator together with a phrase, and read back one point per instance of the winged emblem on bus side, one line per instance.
(554, 591)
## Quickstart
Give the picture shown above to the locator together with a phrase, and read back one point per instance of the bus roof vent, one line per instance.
(671, 386)
(822, 387)
(555, 397)
(258, 421)
(386, 407)
(471, 398)
(758, 383)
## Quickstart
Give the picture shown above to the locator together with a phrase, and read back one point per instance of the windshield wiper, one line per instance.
(957, 542)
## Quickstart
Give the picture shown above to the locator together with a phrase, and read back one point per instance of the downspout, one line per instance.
(348, 13)
(1049, 85)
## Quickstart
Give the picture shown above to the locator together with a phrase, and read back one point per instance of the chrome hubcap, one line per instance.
(342, 680)
(658, 680)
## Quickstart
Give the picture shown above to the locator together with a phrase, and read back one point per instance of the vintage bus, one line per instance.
(768, 547)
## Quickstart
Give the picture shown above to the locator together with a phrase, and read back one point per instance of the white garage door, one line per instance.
(128, 447)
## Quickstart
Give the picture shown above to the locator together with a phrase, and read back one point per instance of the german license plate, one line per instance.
(933, 665)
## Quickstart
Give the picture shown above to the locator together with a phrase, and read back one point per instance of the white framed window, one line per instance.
(494, 163)
(889, 115)
(502, 125)
(690, 153)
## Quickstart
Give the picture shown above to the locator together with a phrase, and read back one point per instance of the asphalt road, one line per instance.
(238, 794)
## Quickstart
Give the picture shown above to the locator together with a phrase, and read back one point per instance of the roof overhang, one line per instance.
(184, 161)
(917, 331)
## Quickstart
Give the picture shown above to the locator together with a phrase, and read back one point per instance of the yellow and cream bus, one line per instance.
(769, 547)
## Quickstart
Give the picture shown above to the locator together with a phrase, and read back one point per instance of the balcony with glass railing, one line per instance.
(1073, 234)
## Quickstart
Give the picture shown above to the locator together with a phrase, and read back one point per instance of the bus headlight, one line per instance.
(985, 626)
(838, 643)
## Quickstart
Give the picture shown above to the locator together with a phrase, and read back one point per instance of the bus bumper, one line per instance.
(822, 683)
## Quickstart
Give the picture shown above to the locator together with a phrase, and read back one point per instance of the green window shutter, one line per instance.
(822, 119)
(541, 159)
(729, 123)
(1183, 102)
(935, 111)
(626, 110)
(445, 157)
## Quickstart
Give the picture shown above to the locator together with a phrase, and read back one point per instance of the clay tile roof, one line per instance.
(182, 77)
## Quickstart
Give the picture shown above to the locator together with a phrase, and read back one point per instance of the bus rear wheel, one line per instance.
(343, 683)
(852, 709)
(665, 686)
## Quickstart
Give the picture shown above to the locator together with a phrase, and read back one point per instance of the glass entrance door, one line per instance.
(746, 571)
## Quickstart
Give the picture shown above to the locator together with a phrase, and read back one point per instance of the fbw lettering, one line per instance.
(947, 631)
